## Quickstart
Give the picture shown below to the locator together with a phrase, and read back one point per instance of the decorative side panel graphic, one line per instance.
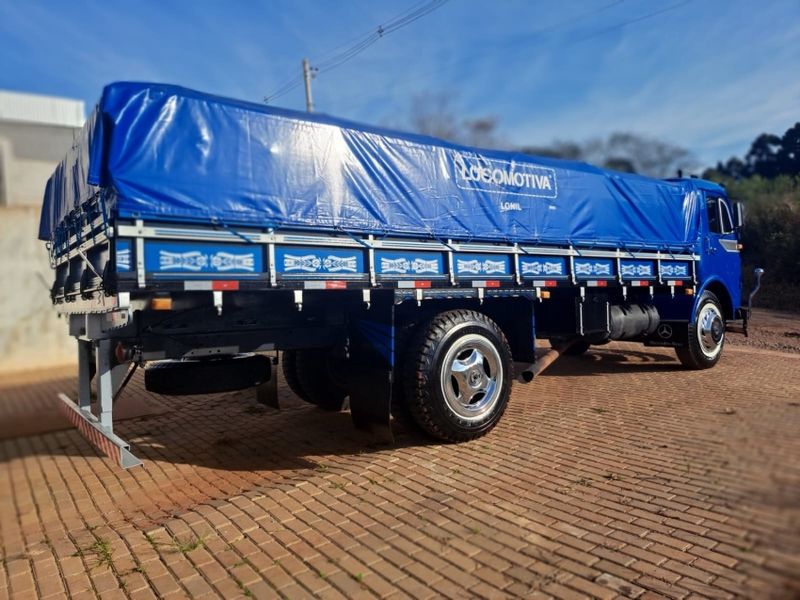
(191, 258)
(594, 268)
(637, 269)
(476, 265)
(553, 267)
(124, 250)
(408, 264)
(314, 260)
(676, 269)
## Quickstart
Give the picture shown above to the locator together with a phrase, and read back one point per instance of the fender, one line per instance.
(717, 286)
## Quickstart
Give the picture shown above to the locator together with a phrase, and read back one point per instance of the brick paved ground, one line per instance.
(614, 475)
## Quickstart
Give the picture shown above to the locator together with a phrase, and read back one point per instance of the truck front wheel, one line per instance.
(458, 375)
(706, 335)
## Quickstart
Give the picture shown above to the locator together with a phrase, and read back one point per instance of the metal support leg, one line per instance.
(105, 385)
(84, 375)
(98, 426)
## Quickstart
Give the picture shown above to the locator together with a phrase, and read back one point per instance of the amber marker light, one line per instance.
(161, 303)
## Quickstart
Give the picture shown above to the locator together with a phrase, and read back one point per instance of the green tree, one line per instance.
(769, 156)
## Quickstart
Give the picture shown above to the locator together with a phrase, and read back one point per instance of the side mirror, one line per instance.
(738, 215)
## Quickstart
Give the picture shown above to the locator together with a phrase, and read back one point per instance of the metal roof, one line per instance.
(48, 110)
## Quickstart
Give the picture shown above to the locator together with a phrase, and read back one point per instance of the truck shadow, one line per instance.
(230, 431)
(600, 361)
(235, 433)
(195, 450)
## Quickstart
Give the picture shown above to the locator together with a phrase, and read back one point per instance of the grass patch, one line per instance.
(102, 551)
(184, 546)
(245, 590)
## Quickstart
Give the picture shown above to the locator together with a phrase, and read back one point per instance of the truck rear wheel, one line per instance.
(311, 374)
(289, 368)
(458, 375)
(706, 335)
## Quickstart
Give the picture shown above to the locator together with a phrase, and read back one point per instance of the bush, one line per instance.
(771, 236)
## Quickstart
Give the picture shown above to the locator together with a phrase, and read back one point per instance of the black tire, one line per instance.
(471, 408)
(207, 376)
(289, 368)
(577, 347)
(316, 375)
(400, 412)
(706, 335)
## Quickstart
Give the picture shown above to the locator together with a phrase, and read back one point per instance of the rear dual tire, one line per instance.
(311, 374)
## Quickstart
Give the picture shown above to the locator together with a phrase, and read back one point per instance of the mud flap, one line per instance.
(371, 361)
(267, 392)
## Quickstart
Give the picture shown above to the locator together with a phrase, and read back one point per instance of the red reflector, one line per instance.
(422, 284)
(678, 283)
(120, 353)
(493, 283)
(335, 285)
(224, 285)
(602, 283)
(551, 283)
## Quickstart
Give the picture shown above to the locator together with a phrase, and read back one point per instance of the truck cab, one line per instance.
(719, 246)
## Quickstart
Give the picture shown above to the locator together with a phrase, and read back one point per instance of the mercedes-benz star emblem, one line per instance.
(664, 331)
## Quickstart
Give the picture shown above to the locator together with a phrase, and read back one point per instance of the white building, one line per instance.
(35, 133)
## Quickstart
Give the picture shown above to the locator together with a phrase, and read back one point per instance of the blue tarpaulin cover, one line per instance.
(161, 152)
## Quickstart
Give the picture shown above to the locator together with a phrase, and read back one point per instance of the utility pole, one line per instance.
(307, 76)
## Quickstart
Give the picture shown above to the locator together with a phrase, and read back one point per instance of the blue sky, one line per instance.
(709, 75)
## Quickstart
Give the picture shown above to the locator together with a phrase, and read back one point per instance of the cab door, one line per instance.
(721, 246)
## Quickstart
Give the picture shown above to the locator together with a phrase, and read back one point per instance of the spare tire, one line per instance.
(208, 375)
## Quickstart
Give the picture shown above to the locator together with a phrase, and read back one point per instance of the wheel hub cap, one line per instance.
(471, 376)
(710, 330)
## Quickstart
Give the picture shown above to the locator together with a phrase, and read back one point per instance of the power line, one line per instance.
(556, 26)
(331, 60)
(580, 17)
(634, 20)
(369, 32)
(398, 23)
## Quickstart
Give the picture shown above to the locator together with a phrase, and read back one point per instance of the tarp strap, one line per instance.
(354, 237)
(224, 225)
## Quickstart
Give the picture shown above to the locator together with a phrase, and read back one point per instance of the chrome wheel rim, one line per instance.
(710, 330)
(472, 377)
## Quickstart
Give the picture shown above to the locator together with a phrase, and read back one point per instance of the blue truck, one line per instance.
(205, 238)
